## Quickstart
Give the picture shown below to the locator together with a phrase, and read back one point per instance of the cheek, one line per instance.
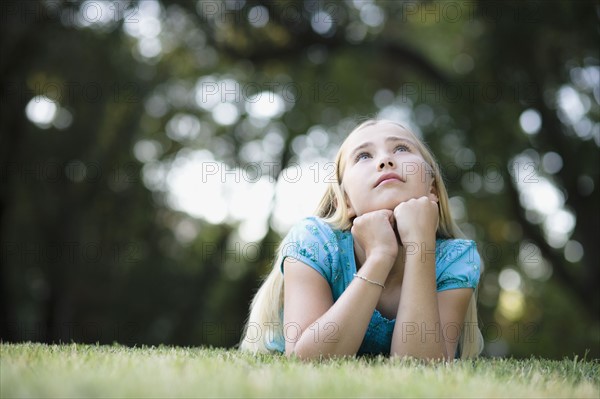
(417, 171)
(411, 164)
(420, 187)
(353, 197)
(350, 186)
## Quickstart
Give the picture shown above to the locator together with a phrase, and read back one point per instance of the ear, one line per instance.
(351, 212)
(433, 195)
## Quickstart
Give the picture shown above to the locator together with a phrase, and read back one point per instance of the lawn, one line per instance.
(37, 370)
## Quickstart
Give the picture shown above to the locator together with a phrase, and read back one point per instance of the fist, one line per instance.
(416, 219)
(374, 232)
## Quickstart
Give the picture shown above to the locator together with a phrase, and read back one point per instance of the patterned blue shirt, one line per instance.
(331, 253)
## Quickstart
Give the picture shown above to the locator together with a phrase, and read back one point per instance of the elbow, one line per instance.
(432, 357)
(294, 351)
(303, 353)
(429, 351)
(299, 355)
(307, 352)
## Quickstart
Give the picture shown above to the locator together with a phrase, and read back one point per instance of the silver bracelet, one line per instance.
(369, 281)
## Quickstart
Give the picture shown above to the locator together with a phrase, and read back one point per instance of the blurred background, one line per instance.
(153, 154)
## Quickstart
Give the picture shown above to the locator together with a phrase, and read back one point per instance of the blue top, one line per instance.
(331, 253)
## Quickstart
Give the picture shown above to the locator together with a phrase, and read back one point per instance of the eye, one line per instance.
(361, 156)
(402, 148)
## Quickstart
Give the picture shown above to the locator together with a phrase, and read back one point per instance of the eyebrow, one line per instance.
(387, 140)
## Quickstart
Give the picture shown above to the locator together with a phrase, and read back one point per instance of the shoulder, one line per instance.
(314, 242)
(457, 264)
(311, 229)
(315, 226)
(449, 250)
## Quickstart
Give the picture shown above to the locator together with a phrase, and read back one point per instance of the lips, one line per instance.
(388, 176)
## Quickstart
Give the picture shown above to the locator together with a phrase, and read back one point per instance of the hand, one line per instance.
(374, 232)
(417, 219)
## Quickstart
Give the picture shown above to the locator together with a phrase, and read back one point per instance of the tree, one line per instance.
(505, 93)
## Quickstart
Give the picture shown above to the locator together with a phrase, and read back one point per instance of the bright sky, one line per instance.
(208, 189)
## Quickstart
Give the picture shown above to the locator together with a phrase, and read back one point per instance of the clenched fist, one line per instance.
(417, 219)
(374, 232)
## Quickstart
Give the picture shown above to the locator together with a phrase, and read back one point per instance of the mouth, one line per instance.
(388, 177)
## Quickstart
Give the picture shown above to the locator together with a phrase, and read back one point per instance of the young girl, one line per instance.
(380, 269)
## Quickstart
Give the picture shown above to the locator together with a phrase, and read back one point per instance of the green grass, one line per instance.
(37, 370)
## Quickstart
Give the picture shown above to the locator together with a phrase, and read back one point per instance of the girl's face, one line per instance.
(383, 168)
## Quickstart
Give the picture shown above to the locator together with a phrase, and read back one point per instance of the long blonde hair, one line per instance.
(265, 322)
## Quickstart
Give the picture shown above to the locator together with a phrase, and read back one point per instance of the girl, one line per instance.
(380, 269)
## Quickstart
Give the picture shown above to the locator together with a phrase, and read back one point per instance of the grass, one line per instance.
(79, 371)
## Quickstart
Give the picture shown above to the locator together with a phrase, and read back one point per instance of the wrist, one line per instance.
(381, 257)
(418, 238)
(418, 246)
(376, 267)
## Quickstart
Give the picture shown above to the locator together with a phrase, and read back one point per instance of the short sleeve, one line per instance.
(457, 264)
(313, 242)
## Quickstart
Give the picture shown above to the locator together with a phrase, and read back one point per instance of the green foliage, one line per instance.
(94, 250)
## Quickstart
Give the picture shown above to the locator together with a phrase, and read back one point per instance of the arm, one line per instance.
(325, 328)
(453, 305)
(418, 330)
(429, 325)
(314, 325)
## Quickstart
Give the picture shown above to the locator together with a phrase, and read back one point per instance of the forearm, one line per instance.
(418, 331)
(341, 330)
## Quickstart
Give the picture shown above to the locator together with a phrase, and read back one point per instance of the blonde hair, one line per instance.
(265, 322)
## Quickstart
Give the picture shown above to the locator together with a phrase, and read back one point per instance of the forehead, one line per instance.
(377, 132)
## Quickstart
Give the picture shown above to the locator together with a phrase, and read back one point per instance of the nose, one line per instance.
(386, 162)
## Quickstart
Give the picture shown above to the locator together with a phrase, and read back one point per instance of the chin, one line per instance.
(392, 203)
